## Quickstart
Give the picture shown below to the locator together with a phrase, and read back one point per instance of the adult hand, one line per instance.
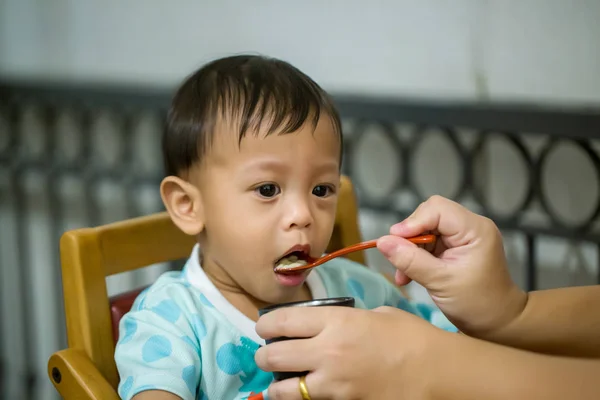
(352, 353)
(465, 273)
(390, 354)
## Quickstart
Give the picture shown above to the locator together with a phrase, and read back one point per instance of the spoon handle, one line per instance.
(366, 245)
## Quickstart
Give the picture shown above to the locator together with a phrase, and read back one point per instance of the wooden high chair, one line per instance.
(86, 369)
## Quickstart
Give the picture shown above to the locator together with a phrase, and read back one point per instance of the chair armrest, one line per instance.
(75, 377)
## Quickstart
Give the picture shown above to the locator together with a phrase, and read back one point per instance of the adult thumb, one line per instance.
(414, 262)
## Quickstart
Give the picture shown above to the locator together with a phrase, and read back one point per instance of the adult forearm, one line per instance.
(558, 321)
(474, 369)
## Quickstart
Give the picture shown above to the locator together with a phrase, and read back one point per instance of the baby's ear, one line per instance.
(184, 204)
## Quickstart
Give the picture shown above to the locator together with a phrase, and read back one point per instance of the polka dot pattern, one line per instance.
(167, 309)
(156, 348)
(125, 387)
(239, 359)
(130, 327)
(425, 310)
(205, 301)
(355, 288)
(198, 326)
(228, 360)
(189, 377)
(404, 305)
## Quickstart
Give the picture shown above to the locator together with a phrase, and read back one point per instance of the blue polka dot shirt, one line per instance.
(182, 336)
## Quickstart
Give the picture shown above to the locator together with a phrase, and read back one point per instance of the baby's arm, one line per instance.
(562, 321)
(158, 354)
(155, 395)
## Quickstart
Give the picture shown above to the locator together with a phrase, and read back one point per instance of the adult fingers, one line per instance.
(289, 355)
(401, 279)
(298, 322)
(412, 262)
(451, 220)
(289, 389)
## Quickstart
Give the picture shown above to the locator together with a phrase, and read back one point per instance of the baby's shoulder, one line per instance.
(173, 308)
(343, 277)
(171, 293)
(342, 269)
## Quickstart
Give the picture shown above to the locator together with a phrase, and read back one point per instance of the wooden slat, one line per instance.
(86, 300)
(346, 220)
(140, 242)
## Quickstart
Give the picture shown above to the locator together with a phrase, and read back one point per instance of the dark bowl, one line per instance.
(334, 301)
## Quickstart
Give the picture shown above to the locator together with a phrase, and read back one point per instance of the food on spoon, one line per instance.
(294, 259)
(299, 259)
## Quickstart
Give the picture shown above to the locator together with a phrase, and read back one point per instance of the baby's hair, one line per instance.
(249, 91)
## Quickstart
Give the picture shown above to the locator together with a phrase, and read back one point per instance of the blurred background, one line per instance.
(494, 103)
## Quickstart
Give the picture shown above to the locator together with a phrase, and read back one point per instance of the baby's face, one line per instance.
(264, 198)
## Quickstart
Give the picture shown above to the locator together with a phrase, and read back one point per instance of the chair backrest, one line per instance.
(89, 255)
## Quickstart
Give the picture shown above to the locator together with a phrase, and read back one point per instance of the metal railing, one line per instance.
(74, 156)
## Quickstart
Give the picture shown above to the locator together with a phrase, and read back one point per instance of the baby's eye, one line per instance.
(268, 190)
(322, 190)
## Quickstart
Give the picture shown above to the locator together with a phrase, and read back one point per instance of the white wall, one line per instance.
(529, 50)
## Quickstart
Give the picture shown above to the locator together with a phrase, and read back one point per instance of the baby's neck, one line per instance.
(239, 298)
(249, 305)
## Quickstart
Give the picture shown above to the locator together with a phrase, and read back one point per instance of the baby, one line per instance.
(252, 151)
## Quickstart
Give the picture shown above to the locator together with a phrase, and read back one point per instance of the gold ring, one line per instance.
(303, 388)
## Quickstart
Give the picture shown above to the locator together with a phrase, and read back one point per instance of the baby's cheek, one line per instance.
(326, 227)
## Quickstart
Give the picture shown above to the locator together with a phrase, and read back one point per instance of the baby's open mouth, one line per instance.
(295, 258)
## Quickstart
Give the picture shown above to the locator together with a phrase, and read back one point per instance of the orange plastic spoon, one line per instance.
(350, 249)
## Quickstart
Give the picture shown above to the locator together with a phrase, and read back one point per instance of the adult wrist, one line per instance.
(512, 311)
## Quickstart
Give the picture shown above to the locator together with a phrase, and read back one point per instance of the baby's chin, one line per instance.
(277, 293)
